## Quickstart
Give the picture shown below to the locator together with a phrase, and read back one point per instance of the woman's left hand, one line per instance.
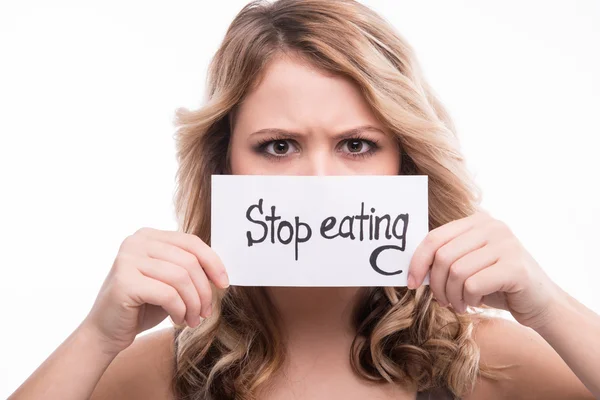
(478, 260)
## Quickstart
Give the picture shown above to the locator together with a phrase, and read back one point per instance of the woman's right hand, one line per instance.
(155, 273)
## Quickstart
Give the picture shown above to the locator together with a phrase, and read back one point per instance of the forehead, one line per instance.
(295, 95)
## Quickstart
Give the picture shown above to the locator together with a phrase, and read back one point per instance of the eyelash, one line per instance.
(262, 145)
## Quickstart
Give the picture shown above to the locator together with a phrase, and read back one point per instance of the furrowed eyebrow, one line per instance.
(343, 135)
(357, 131)
(277, 131)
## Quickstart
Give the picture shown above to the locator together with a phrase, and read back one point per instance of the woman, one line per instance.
(287, 79)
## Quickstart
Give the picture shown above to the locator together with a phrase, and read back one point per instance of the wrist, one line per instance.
(553, 313)
(90, 337)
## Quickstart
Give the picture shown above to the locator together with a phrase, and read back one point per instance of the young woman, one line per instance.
(322, 87)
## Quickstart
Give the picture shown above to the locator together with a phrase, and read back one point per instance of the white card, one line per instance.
(358, 230)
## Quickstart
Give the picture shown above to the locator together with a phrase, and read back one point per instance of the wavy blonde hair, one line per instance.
(401, 335)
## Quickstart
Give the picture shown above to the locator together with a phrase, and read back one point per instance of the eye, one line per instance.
(356, 146)
(280, 148)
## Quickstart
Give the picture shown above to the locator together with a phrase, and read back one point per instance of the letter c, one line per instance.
(375, 254)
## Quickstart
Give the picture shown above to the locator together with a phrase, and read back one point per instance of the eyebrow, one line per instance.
(342, 135)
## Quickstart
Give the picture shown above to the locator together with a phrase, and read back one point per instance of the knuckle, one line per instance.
(143, 231)
(455, 271)
(442, 256)
(470, 287)
(130, 242)
(509, 248)
(506, 246)
(429, 239)
(180, 276)
(170, 298)
(195, 238)
(190, 261)
(500, 226)
(196, 241)
(483, 215)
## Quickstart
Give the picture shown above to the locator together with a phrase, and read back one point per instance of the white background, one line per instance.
(87, 96)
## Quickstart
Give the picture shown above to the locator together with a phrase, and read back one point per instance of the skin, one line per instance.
(472, 261)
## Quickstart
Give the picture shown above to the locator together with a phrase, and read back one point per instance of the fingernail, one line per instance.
(411, 282)
(209, 310)
(224, 279)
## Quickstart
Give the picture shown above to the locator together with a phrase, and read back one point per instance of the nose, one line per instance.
(322, 162)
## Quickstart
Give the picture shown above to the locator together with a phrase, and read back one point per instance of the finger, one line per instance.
(484, 283)
(179, 279)
(160, 294)
(424, 254)
(447, 255)
(176, 255)
(209, 260)
(465, 267)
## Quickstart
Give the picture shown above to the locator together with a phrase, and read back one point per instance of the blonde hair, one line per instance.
(401, 335)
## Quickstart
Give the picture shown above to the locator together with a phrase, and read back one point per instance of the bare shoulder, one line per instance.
(142, 371)
(534, 369)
